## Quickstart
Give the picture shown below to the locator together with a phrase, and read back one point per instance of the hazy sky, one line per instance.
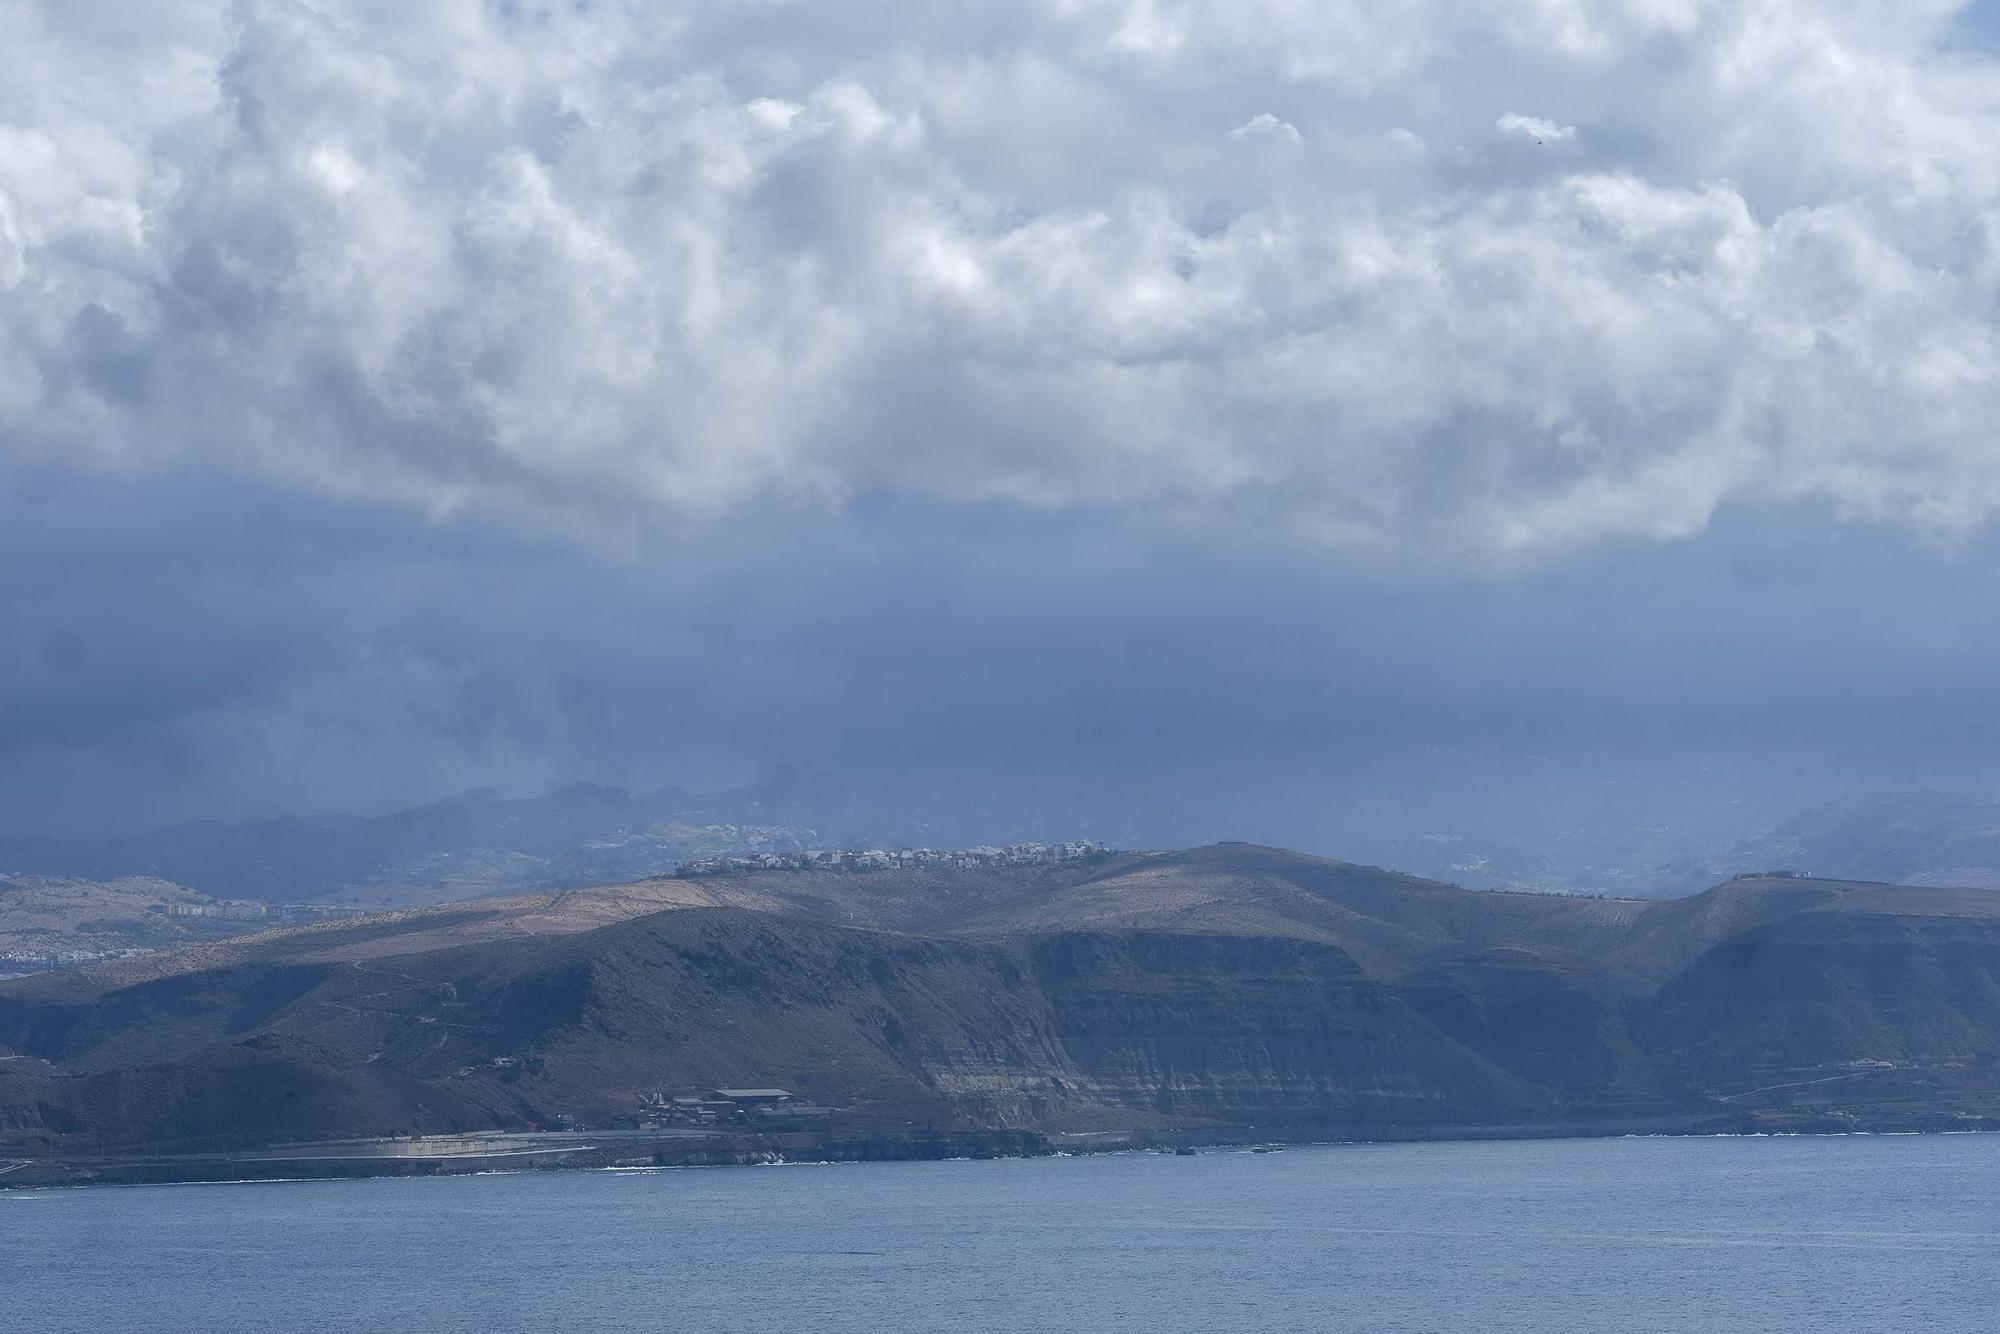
(1273, 419)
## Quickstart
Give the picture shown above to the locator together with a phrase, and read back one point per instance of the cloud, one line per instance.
(180, 649)
(1264, 125)
(589, 271)
(1534, 127)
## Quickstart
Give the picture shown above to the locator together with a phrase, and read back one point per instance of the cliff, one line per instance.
(1222, 987)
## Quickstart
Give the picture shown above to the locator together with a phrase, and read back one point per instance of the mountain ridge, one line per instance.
(1231, 985)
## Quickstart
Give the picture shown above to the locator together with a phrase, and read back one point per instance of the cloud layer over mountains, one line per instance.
(1498, 277)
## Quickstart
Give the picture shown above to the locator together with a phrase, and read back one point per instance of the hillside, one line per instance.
(51, 920)
(1223, 986)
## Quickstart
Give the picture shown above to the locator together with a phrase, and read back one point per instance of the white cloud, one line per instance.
(1534, 127)
(565, 260)
(1264, 125)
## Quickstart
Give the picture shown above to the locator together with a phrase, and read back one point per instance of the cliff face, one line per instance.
(1454, 1008)
(1821, 989)
(1259, 1030)
(1557, 1027)
(1072, 1030)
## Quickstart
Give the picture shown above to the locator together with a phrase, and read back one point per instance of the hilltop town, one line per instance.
(50, 922)
(878, 859)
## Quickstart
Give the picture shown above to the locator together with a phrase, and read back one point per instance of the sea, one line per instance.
(1786, 1235)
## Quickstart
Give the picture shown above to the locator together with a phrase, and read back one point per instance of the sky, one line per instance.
(1317, 422)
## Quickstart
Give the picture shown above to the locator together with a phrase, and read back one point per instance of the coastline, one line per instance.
(488, 1152)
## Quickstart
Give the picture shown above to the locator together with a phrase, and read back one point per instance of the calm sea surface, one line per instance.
(1770, 1235)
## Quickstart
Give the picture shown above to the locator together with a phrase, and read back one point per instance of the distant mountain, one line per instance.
(1925, 838)
(1227, 986)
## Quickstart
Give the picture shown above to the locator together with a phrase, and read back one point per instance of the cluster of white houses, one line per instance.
(718, 1107)
(878, 859)
(251, 910)
(14, 963)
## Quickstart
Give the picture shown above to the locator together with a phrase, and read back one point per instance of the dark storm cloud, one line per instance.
(215, 649)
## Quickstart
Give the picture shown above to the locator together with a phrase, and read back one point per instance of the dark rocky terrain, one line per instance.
(1224, 987)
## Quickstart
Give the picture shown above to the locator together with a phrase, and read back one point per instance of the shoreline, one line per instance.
(487, 1153)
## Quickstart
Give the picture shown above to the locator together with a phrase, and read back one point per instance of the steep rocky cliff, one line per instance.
(1222, 987)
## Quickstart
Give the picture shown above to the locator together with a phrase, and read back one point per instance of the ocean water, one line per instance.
(1769, 1235)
